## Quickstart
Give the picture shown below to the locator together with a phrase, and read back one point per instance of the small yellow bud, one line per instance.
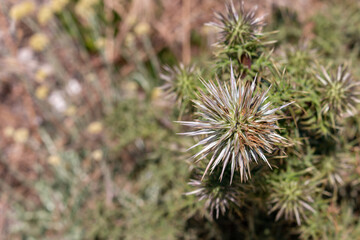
(45, 14)
(129, 40)
(95, 128)
(40, 75)
(97, 155)
(70, 111)
(38, 41)
(21, 135)
(100, 43)
(156, 93)
(21, 10)
(58, 5)
(84, 8)
(130, 86)
(9, 131)
(54, 160)
(131, 19)
(42, 92)
(142, 28)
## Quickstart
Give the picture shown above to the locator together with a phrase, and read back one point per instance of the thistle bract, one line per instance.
(239, 127)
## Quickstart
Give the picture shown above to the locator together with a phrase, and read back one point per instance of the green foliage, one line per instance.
(332, 222)
(139, 123)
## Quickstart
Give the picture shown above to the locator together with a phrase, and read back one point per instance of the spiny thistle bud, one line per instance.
(180, 83)
(291, 196)
(219, 197)
(335, 169)
(340, 92)
(238, 28)
(239, 126)
(297, 59)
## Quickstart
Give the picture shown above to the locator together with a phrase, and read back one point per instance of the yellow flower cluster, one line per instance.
(95, 128)
(45, 14)
(41, 75)
(142, 28)
(21, 135)
(21, 10)
(58, 5)
(97, 154)
(84, 8)
(38, 41)
(70, 111)
(54, 160)
(42, 92)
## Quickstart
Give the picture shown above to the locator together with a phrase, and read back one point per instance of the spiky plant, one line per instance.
(238, 28)
(219, 196)
(241, 40)
(340, 92)
(239, 126)
(298, 58)
(181, 83)
(291, 195)
(334, 169)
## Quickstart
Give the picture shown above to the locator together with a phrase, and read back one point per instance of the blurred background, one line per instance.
(88, 145)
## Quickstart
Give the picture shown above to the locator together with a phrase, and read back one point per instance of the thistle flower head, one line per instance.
(180, 83)
(219, 197)
(239, 127)
(291, 196)
(340, 92)
(238, 27)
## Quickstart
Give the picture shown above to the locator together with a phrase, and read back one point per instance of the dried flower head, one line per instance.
(180, 83)
(219, 197)
(238, 27)
(340, 92)
(291, 196)
(239, 126)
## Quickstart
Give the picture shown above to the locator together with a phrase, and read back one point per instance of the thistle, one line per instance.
(219, 196)
(239, 126)
(335, 169)
(238, 28)
(241, 39)
(291, 196)
(180, 83)
(340, 92)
